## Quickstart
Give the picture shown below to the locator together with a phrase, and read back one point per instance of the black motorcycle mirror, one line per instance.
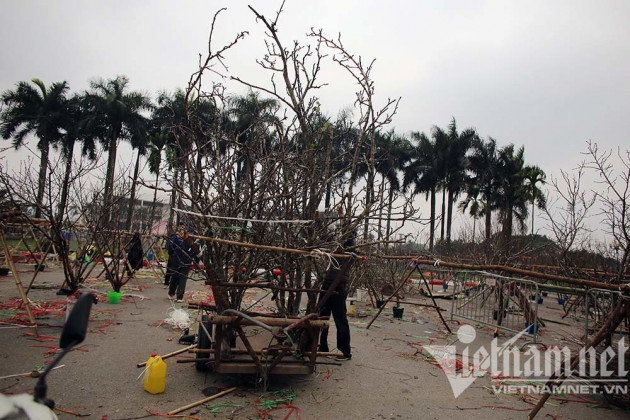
(73, 333)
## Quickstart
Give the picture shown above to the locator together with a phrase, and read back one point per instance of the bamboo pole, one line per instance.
(267, 285)
(273, 322)
(167, 355)
(28, 289)
(514, 270)
(269, 247)
(243, 351)
(18, 283)
(437, 263)
(205, 400)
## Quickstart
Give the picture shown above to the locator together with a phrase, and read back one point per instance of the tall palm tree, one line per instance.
(440, 150)
(141, 145)
(342, 135)
(392, 153)
(483, 183)
(114, 113)
(181, 119)
(39, 111)
(424, 173)
(476, 210)
(455, 166)
(535, 175)
(399, 156)
(168, 118)
(157, 143)
(73, 133)
(513, 192)
(252, 116)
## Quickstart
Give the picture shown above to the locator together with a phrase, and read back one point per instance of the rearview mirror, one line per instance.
(76, 325)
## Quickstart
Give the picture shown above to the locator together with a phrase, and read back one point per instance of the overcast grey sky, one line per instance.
(548, 75)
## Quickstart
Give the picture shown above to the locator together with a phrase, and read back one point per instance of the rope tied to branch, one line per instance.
(332, 261)
(240, 219)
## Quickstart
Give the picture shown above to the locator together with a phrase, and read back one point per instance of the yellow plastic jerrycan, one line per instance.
(155, 375)
(351, 309)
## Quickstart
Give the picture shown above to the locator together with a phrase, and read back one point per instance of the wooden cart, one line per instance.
(253, 343)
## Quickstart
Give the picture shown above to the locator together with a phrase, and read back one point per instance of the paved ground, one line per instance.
(390, 375)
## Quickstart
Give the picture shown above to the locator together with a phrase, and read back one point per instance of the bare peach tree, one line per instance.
(77, 218)
(567, 214)
(614, 198)
(260, 175)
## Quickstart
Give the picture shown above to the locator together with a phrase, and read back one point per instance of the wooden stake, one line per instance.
(18, 283)
(43, 261)
(433, 299)
(166, 356)
(400, 285)
(205, 400)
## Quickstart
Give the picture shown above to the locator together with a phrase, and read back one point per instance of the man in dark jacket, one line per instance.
(183, 251)
(336, 304)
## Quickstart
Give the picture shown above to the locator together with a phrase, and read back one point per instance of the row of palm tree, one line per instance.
(106, 114)
(494, 180)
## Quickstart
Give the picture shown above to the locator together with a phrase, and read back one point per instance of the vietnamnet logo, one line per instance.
(534, 364)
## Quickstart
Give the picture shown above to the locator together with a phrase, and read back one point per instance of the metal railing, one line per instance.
(497, 301)
(598, 305)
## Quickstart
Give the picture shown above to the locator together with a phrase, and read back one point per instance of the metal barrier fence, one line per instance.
(496, 301)
(598, 305)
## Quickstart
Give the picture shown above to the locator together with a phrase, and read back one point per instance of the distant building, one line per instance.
(142, 220)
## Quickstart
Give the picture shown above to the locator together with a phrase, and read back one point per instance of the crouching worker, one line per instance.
(183, 251)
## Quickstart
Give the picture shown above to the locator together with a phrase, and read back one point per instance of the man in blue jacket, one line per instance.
(183, 251)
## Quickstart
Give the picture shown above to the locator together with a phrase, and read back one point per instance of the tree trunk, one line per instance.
(109, 177)
(389, 212)
(152, 216)
(328, 194)
(532, 217)
(488, 214)
(380, 211)
(449, 218)
(443, 214)
(432, 221)
(41, 180)
(132, 198)
(368, 200)
(171, 215)
(180, 183)
(64, 188)
(507, 228)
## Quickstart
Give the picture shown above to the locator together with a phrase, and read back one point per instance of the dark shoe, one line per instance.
(344, 357)
(323, 349)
